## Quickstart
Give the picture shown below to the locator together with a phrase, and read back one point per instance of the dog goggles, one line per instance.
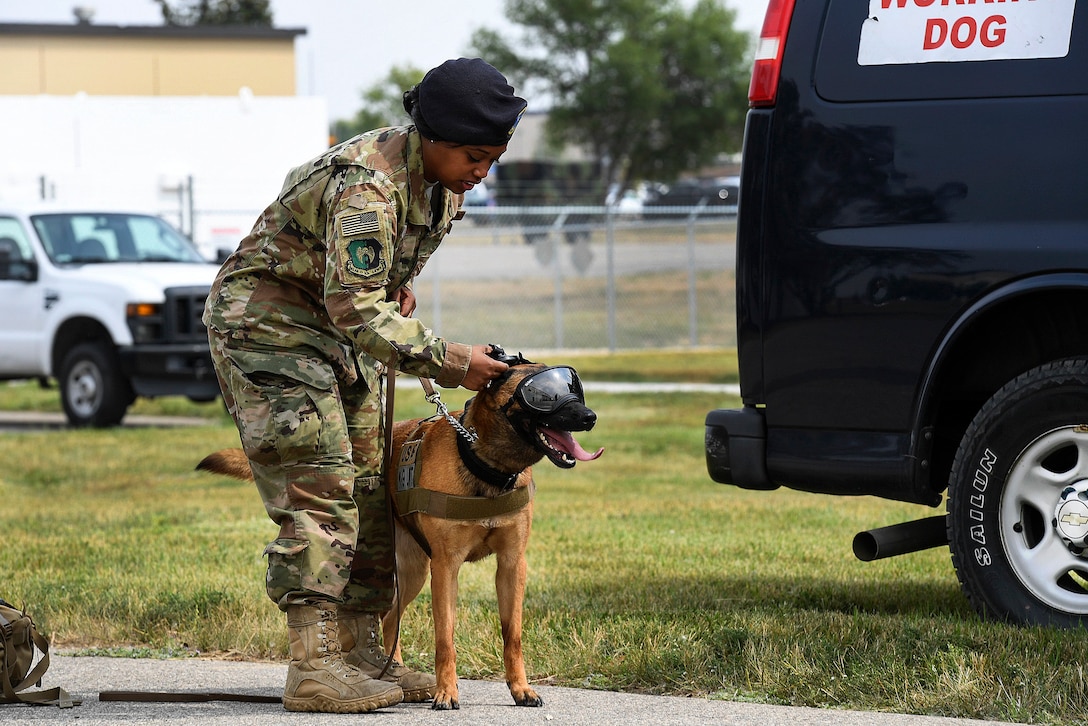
(550, 389)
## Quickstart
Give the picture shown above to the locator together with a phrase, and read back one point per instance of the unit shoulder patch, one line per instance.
(364, 257)
(363, 243)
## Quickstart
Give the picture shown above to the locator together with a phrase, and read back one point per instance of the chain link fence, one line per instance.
(584, 278)
(574, 277)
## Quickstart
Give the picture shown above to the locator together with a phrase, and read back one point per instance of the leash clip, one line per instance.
(435, 399)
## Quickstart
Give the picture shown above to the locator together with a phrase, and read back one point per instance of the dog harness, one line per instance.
(411, 498)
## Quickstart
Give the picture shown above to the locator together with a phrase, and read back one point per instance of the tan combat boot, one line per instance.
(318, 679)
(359, 639)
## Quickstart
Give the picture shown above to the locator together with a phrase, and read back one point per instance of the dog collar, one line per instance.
(502, 480)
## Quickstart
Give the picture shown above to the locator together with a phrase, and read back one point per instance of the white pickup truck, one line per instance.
(106, 303)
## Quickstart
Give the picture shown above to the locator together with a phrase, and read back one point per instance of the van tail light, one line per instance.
(763, 90)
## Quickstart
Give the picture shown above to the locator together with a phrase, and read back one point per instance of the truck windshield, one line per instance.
(91, 237)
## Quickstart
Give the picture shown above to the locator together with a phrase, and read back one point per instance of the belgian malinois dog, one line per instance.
(464, 488)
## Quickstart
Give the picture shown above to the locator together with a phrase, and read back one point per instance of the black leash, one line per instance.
(390, 482)
(185, 697)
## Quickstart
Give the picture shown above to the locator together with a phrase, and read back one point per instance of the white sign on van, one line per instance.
(949, 31)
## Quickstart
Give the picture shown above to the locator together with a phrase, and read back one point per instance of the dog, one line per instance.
(464, 488)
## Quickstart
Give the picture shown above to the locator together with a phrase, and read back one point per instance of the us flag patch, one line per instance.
(356, 225)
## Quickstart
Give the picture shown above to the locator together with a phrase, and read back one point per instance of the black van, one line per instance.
(912, 283)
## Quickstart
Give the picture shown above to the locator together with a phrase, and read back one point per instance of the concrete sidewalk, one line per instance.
(482, 702)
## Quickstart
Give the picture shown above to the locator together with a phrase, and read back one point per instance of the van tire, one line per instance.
(1023, 465)
(93, 390)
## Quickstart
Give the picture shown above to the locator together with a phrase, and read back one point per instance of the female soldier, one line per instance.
(302, 319)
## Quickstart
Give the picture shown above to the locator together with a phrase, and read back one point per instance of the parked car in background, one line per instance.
(716, 192)
(106, 303)
(630, 202)
(911, 281)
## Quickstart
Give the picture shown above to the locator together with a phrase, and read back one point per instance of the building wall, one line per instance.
(124, 62)
(199, 125)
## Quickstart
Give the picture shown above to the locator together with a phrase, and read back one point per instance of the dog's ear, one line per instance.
(500, 380)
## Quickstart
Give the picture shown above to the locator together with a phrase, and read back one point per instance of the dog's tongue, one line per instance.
(568, 445)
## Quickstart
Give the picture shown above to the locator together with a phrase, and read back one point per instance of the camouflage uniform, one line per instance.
(301, 322)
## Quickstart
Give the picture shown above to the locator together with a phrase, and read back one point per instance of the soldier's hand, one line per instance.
(482, 368)
(407, 300)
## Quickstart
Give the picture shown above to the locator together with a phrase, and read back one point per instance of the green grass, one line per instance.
(643, 574)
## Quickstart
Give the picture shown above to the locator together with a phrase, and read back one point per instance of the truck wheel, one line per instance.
(92, 389)
(1018, 500)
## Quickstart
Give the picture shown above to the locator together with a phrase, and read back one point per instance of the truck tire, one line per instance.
(92, 389)
(1018, 500)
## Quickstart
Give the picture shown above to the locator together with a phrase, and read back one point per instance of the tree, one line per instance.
(649, 89)
(383, 104)
(217, 12)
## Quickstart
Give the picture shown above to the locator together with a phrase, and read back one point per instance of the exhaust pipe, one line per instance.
(900, 539)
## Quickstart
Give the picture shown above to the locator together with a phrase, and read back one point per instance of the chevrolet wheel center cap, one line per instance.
(1071, 514)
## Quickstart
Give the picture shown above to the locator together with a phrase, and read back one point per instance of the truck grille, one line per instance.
(182, 312)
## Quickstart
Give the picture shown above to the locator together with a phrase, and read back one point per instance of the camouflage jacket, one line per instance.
(314, 276)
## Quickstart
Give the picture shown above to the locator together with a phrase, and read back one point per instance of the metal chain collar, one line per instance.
(434, 398)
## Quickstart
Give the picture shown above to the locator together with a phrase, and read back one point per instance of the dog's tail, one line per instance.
(228, 462)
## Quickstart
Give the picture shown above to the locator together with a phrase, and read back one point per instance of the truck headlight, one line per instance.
(145, 321)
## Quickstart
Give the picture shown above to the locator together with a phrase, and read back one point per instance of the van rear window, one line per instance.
(933, 49)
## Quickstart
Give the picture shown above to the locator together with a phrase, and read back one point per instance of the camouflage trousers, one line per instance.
(315, 448)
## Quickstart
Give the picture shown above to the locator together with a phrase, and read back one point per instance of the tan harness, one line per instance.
(410, 498)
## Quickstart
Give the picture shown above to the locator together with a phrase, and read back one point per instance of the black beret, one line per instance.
(466, 101)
